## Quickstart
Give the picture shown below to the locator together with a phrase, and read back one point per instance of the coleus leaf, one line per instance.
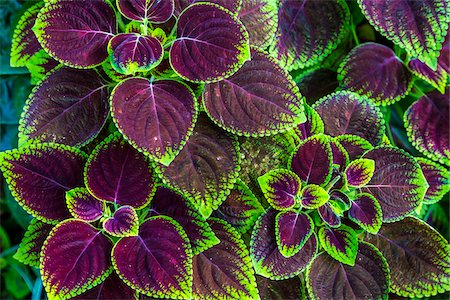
(83, 206)
(426, 123)
(348, 113)
(206, 168)
(56, 167)
(157, 262)
(397, 182)
(328, 215)
(155, 11)
(366, 212)
(340, 243)
(437, 217)
(313, 124)
(281, 188)
(130, 53)
(69, 106)
(76, 33)
(169, 203)
(292, 288)
(224, 271)
(367, 279)
(354, 145)
(340, 155)
(309, 30)
(124, 222)
(29, 252)
(156, 117)
(259, 99)
(268, 260)
(292, 230)
(359, 172)
(81, 264)
(232, 5)
(24, 42)
(113, 288)
(421, 29)
(443, 59)
(211, 44)
(260, 19)
(313, 196)
(118, 173)
(438, 178)
(373, 70)
(417, 256)
(437, 78)
(40, 65)
(317, 83)
(313, 160)
(241, 209)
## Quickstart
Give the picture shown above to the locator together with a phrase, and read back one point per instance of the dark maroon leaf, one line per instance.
(155, 11)
(329, 216)
(83, 206)
(260, 19)
(317, 83)
(444, 56)
(292, 231)
(288, 289)
(113, 288)
(438, 178)
(366, 212)
(232, 5)
(437, 78)
(340, 155)
(359, 172)
(124, 222)
(281, 188)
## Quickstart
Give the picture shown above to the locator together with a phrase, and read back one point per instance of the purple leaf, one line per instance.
(259, 99)
(340, 155)
(359, 172)
(155, 11)
(313, 124)
(69, 107)
(268, 260)
(39, 176)
(113, 288)
(397, 182)
(118, 173)
(171, 204)
(131, 53)
(309, 30)
(313, 160)
(83, 206)
(420, 29)
(317, 83)
(206, 168)
(329, 216)
(81, 264)
(373, 70)
(417, 256)
(124, 222)
(368, 279)
(281, 188)
(29, 252)
(156, 117)
(340, 243)
(232, 5)
(444, 57)
(347, 113)
(313, 196)
(157, 262)
(292, 231)
(76, 33)
(437, 78)
(426, 123)
(366, 212)
(438, 178)
(289, 289)
(211, 44)
(224, 271)
(354, 145)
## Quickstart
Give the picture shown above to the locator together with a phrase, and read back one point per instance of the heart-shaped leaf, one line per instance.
(420, 30)
(157, 262)
(83, 206)
(355, 145)
(292, 288)
(118, 173)
(328, 215)
(313, 124)
(347, 113)
(268, 260)
(131, 53)
(367, 279)
(124, 222)
(39, 176)
(438, 178)
(113, 288)
(29, 251)
(155, 11)
(397, 182)
(211, 44)
(313, 160)
(340, 155)
(417, 255)
(69, 107)
(224, 271)
(206, 168)
(317, 83)
(437, 78)
(156, 117)
(76, 33)
(313, 196)
(309, 30)
(259, 99)
(281, 188)
(292, 230)
(82, 263)
(373, 70)
(426, 123)
(366, 212)
(169, 203)
(340, 243)
(359, 172)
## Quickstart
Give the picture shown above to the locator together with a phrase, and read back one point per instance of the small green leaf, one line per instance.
(313, 196)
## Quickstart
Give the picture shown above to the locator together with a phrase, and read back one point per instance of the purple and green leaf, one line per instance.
(40, 65)
(438, 178)
(83, 206)
(340, 243)
(355, 145)
(313, 196)
(366, 212)
(340, 155)
(437, 78)
(155, 11)
(313, 124)
(113, 288)
(124, 222)
(232, 5)
(328, 215)
(359, 172)
(316, 83)
(292, 288)
(281, 188)
(292, 230)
